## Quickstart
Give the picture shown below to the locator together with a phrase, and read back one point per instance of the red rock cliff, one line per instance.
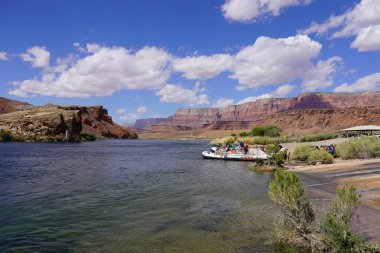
(254, 111)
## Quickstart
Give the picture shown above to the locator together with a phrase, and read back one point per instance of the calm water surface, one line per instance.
(129, 196)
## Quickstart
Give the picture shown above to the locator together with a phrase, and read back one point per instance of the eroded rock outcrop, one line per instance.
(97, 122)
(45, 123)
(60, 123)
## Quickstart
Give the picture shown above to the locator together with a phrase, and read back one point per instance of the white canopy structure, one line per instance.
(369, 129)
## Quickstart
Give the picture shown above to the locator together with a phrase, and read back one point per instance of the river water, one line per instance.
(130, 196)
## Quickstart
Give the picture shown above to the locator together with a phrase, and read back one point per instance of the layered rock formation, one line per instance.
(194, 118)
(255, 111)
(43, 123)
(58, 123)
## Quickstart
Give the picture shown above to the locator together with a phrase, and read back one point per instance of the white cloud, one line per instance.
(283, 90)
(102, 72)
(121, 110)
(367, 83)
(3, 56)
(254, 98)
(203, 67)
(321, 75)
(142, 109)
(280, 92)
(274, 61)
(362, 21)
(222, 103)
(177, 94)
(250, 10)
(368, 39)
(133, 115)
(38, 56)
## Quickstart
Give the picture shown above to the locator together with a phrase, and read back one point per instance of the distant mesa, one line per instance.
(58, 123)
(305, 114)
(146, 123)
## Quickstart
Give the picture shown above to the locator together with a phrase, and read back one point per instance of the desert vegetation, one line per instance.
(265, 140)
(296, 229)
(362, 148)
(306, 154)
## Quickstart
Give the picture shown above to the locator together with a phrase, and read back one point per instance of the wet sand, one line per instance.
(322, 181)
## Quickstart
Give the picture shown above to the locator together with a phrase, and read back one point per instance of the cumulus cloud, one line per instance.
(367, 83)
(102, 72)
(321, 75)
(120, 110)
(142, 109)
(368, 39)
(222, 103)
(3, 56)
(254, 98)
(274, 61)
(203, 67)
(283, 90)
(38, 56)
(362, 21)
(177, 94)
(280, 92)
(250, 10)
(132, 115)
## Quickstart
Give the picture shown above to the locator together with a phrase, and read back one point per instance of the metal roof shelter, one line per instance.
(361, 129)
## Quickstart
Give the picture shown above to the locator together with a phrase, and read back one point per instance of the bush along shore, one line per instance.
(297, 230)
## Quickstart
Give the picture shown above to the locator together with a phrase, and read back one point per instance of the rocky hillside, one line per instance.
(327, 121)
(8, 105)
(58, 123)
(255, 111)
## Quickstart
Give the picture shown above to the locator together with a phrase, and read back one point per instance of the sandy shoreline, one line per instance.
(364, 174)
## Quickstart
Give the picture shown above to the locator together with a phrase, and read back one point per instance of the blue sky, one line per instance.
(147, 58)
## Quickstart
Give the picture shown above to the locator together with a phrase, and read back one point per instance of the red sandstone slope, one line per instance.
(8, 105)
(311, 121)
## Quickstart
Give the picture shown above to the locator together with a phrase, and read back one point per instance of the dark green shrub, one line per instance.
(244, 134)
(269, 131)
(258, 131)
(5, 135)
(272, 131)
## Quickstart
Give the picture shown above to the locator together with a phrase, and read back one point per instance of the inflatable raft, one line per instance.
(253, 155)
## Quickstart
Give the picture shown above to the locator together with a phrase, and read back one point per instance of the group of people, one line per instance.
(328, 148)
(237, 146)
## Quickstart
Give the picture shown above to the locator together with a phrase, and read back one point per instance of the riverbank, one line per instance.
(364, 174)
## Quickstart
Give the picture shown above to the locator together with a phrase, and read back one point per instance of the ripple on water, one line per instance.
(135, 196)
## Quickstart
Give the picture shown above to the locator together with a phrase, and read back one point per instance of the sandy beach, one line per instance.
(364, 174)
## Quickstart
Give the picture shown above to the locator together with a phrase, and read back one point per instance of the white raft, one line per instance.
(253, 155)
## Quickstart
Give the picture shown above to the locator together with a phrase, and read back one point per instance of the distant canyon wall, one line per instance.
(256, 111)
